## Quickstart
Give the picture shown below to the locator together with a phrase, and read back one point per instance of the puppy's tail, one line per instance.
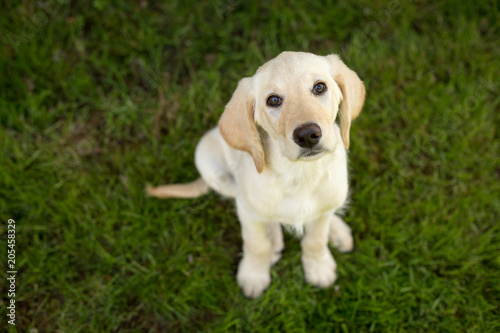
(189, 190)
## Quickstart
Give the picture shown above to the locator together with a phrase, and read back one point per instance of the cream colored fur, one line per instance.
(252, 157)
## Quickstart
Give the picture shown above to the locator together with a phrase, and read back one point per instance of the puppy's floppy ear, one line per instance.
(353, 94)
(237, 123)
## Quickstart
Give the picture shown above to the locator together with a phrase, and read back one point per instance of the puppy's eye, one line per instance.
(319, 88)
(274, 101)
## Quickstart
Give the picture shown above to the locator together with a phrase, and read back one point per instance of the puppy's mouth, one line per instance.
(311, 153)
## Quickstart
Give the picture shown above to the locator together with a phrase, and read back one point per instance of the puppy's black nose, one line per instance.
(307, 135)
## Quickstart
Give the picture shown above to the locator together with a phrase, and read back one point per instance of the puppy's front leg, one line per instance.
(254, 270)
(319, 265)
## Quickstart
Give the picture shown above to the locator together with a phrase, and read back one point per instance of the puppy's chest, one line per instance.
(298, 200)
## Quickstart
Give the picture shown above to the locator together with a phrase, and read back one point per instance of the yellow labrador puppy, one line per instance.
(279, 152)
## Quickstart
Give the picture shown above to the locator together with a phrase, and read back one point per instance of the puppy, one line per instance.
(280, 154)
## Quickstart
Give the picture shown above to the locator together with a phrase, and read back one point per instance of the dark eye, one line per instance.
(274, 101)
(319, 88)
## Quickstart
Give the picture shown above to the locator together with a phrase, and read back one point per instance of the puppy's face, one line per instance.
(295, 99)
(296, 103)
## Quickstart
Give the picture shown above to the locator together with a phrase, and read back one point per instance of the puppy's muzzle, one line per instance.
(307, 135)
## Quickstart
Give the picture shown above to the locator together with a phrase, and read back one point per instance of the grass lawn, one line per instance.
(99, 98)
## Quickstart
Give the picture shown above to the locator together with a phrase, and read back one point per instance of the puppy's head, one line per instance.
(295, 98)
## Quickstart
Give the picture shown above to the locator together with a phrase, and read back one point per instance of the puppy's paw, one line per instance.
(277, 243)
(276, 256)
(253, 280)
(340, 235)
(320, 272)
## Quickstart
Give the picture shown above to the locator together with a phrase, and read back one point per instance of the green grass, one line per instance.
(99, 99)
